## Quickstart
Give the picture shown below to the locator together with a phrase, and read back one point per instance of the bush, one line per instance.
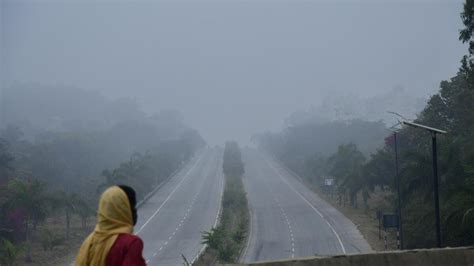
(49, 240)
(9, 252)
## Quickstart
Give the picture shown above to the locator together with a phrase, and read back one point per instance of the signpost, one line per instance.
(390, 221)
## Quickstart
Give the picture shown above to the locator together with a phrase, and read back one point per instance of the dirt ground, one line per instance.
(364, 217)
(63, 254)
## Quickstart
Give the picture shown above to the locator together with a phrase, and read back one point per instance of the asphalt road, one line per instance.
(171, 221)
(288, 220)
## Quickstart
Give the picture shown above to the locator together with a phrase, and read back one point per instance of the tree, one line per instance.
(466, 36)
(84, 211)
(30, 197)
(71, 203)
(5, 162)
(346, 167)
(11, 133)
(232, 161)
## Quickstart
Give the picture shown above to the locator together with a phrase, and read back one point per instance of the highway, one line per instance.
(288, 220)
(171, 221)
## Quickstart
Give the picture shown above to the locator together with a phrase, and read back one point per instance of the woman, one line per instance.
(112, 241)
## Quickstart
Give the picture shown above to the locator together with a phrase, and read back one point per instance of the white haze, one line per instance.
(233, 68)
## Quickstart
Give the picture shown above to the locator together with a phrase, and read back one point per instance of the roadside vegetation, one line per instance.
(345, 151)
(57, 156)
(226, 241)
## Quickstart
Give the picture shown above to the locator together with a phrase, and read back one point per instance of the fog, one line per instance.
(233, 68)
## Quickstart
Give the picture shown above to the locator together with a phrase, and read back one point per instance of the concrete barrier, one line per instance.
(443, 256)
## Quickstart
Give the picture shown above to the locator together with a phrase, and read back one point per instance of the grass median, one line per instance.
(226, 241)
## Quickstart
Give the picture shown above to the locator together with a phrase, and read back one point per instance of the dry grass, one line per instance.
(63, 254)
(365, 218)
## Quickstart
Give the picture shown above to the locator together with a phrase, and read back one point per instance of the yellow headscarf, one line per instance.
(114, 217)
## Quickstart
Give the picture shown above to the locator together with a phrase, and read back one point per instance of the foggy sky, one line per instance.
(232, 68)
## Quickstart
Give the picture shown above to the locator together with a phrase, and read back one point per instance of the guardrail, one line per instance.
(433, 257)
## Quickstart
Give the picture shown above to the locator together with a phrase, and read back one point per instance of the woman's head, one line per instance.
(115, 210)
(116, 215)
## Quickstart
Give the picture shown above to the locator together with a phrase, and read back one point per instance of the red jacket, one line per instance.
(126, 251)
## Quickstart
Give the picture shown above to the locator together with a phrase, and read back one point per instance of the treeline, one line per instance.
(55, 161)
(232, 164)
(226, 241)
(302, 142)
(357, 173)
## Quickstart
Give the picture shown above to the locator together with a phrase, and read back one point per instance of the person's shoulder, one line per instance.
(129, 238)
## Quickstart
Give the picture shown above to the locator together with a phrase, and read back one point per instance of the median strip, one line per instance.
(224, 242)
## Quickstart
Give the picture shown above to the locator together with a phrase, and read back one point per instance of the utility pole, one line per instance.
(435, 187)
(395, 130)
(434, 132)
(400, 226)
(2, 105)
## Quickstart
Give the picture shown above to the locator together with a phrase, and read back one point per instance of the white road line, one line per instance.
(311, 205)
(219, 172)
(184, 218)
(169, 196)
(292, 240)
(220, 205)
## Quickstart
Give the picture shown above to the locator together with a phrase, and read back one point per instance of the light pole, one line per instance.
(397, 176)
(434, 132)
(395, 130)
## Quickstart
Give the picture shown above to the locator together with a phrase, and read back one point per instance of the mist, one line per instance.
(234, 68)
(204, 132)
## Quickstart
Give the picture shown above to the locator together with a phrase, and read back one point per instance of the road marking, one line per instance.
(188, 210)
(311, 205)
(174, 232)
(292, 240)
(219, 172)
(170, 195)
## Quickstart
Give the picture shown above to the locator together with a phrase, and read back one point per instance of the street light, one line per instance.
(434, 132)
(397, 176)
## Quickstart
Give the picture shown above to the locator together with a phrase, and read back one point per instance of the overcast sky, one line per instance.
(233, 68)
